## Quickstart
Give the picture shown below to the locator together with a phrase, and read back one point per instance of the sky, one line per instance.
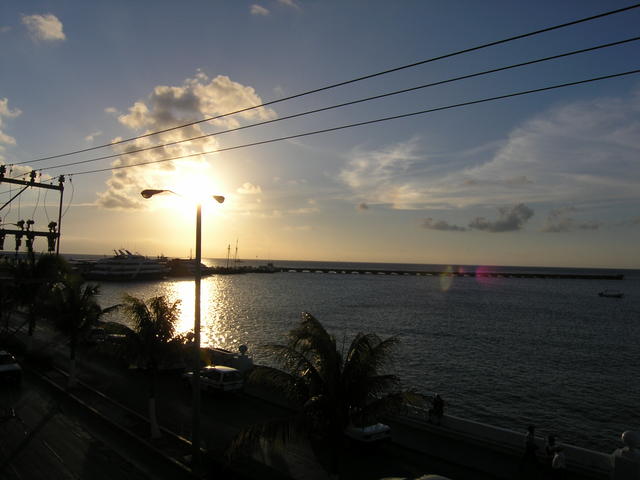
(545, 179)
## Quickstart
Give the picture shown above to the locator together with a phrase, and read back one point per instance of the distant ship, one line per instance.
(127, 266)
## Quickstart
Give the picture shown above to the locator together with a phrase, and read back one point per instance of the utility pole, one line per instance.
(52, 235)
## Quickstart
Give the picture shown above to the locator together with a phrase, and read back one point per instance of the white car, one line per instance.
(218, 379)
(368, 434)
(9, 368)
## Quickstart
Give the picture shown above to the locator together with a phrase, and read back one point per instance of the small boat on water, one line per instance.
(611, 294)
(127, 266)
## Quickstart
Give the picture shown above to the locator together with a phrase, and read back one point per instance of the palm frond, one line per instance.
(295, 362)
(277, 432)
(291, 386)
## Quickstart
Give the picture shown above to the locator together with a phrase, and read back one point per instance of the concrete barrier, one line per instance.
(488, 448)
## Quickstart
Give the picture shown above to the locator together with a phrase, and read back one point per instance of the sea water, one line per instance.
(504, 351)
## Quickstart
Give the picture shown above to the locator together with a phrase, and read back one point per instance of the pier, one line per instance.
(446, 273)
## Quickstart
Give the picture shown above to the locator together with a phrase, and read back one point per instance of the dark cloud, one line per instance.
(511, 219)
(441, 225)
(560, 221)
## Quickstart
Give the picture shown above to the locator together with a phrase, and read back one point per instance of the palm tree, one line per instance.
(74, 309)
(33, 280)
(330, 391)
(152, 340)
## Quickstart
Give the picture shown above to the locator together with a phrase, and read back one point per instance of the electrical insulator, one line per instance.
(29, 242)
(51, 241)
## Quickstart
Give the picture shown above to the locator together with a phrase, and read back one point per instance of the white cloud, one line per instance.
(579, 153)
(46, 27)
(5, 29)
(248, 188)
(289, 3)
(92, 135)
(6, 112)
(383, 176)
(259, 10)
(166, 107)
(111, 110)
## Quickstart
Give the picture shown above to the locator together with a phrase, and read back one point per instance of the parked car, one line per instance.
(368, 434)
(10, 371)
(217, 379)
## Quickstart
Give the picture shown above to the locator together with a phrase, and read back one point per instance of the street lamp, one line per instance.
(195, 428)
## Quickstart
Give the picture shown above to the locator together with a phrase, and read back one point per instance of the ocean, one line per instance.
(505, 351)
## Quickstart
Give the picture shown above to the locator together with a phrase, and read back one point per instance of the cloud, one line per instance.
(512, 181)
(92, 135)
(259, 10)
(582, 152)
(559, 221)
(6, 112)
(289, 3)
(166, 107)
(5, 29)
(111, 110)
(511, 219)
(442, 225)
(47, 28)
(579, 153)
(384, 176)
(249, 189)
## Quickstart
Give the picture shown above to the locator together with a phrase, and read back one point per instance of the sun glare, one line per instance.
(193, 182)
(196, 188)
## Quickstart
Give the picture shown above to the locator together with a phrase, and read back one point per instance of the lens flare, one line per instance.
(446, 278)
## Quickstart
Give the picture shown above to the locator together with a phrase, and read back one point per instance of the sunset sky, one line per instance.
(549, 178)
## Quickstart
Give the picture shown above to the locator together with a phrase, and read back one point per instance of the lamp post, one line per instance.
(195, 426)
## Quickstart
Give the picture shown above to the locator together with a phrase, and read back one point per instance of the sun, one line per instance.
(193, 181)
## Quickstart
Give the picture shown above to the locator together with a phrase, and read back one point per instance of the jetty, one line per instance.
(447, 273)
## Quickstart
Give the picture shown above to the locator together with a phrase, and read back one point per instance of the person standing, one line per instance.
(529, 461)
(558, 464)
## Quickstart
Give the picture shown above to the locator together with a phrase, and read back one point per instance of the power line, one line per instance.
(353, 102)
(368, 122)
(347, 82)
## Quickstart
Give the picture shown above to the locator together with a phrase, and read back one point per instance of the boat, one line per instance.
(611, 294)
(182, 267)
(127, 266)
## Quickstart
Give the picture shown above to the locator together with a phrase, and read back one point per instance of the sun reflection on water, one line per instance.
(216, 310)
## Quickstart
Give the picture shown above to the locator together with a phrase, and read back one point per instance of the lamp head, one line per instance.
(151, 192)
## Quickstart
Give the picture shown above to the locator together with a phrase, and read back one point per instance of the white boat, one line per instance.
(611, 294)
(127, 266)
